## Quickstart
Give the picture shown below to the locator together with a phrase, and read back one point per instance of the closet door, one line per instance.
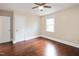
(19, 28)
(4, 29)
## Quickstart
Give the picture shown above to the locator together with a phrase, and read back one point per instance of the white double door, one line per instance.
(4, 29)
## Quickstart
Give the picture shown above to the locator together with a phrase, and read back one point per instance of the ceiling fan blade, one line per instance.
(37, 4)
(43, 3)
(34, 7)
(47, 6)
(40, 4)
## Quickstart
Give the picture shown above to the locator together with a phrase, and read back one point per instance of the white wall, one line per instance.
(66, 25)
(32, 25)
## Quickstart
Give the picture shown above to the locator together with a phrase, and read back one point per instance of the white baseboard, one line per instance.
(62, 41)
(4, 41)
(58, 40)
(15, 41)
(28, 38)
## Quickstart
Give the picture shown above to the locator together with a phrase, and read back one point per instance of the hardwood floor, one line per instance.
(38, 47)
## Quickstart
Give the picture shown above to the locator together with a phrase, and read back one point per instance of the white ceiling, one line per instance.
(27, 7)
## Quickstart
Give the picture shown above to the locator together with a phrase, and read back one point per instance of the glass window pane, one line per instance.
(50, 24)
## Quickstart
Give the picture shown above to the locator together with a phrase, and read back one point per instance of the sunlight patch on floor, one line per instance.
(50, 50)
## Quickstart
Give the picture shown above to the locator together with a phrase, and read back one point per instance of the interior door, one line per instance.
(19, 28)
(4, 29)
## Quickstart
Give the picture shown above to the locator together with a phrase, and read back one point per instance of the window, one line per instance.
(50, 22)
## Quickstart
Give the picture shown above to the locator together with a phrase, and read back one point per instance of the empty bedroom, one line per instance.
(39, 29)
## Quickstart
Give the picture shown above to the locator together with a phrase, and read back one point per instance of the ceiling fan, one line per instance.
(41, 6)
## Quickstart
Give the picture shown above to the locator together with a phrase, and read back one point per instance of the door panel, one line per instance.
(4, 29)
(19, 28)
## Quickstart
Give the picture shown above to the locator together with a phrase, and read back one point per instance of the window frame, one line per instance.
(53, 25)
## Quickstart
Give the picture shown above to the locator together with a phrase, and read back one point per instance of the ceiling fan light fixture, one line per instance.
(40, 7)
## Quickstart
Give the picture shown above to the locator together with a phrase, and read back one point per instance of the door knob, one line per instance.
(16, 30)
